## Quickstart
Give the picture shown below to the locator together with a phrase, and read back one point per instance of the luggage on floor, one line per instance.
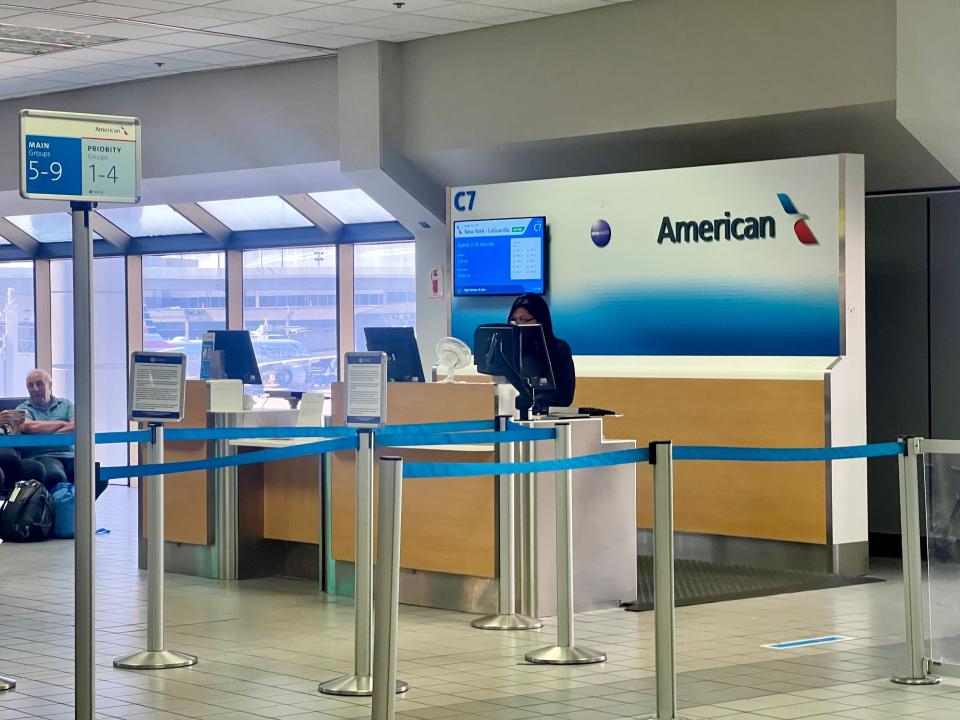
(64, 497)
(27, 514)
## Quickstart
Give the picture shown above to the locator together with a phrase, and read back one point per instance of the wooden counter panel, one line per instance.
(185, 494)
(291, 500)
(447, 523)
(776, 501)
(428, 402)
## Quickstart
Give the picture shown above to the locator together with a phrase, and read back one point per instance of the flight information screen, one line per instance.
(499, 257)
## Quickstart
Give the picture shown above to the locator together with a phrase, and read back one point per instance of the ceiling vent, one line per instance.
(40, 41)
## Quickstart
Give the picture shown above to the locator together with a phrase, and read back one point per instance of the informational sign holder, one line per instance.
(366, 409)
(155, 394)
(82, 159)
(157, 382)
(366, 384)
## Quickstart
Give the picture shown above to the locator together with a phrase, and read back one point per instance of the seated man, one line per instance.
(44, 414)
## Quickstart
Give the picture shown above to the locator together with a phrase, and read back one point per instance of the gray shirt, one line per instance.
(59, 409)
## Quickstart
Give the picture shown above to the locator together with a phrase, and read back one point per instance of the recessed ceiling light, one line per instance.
(40, 41)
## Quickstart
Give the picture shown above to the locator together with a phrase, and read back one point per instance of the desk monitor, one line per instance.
(534, 359)
(518, 353)
(400, 346)
(238, 360)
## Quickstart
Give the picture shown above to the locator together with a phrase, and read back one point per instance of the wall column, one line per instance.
(371, 128)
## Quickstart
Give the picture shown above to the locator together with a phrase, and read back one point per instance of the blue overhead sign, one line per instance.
(79, 157)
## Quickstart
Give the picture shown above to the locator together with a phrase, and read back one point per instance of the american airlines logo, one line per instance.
(800, 227)
(111, 130)
(730, 227)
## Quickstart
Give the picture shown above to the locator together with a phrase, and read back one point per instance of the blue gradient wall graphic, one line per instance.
(707, 261)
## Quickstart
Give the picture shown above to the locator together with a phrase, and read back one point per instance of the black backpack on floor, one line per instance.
(27, 514)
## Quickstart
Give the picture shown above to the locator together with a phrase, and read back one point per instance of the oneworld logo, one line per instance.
(601, 233)
(804, 233)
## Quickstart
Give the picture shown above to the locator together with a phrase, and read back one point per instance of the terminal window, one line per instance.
(290, 309)
(385, 287)
(184, 296)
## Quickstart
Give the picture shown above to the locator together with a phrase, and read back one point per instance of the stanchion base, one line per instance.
(155, 660)
(557, 655)
(514, 621)
(7, 683)
(355, 685)
(927, 680)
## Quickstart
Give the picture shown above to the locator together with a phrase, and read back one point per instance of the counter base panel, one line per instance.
(448, 524)
(770, 501)
(463, 593)
(849, 559)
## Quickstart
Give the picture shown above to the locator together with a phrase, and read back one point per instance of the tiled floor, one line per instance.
(264, 645)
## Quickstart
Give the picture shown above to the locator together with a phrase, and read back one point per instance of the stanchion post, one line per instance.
(226, 509)
(361, 682)
(565, 652)
(155, 657)
(912, 566)
(528, 544)
(661, 456)
(506, 617)
(387, 589)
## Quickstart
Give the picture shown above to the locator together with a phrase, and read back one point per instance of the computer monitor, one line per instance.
(400, 346)
(518, 353)
(237, 358)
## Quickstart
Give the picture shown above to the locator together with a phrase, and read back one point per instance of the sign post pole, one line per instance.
(84, 561)
(366, 409)
(155, 394)
(83, 159)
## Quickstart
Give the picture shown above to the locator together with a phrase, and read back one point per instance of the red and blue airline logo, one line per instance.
(804, 233)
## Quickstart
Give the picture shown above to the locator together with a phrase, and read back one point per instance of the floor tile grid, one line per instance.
(265, 644)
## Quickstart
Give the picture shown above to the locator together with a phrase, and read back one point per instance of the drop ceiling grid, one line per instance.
(148, 51)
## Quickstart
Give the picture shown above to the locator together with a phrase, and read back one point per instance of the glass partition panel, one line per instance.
(290, 309)
(184, 295)
(17, 331)
(385, 292)
(109, 345)
(942, 490)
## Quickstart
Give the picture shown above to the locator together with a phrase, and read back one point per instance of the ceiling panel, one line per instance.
(191, 35)
(277, 7)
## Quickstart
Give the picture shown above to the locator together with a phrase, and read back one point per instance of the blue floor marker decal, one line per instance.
(808, 642)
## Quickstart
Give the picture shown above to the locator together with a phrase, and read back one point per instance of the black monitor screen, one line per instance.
(239, 360)
(534, 359)
(495, 349)
(400, 346)
(517, 352)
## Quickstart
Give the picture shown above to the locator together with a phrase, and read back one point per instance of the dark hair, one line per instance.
(536, 306)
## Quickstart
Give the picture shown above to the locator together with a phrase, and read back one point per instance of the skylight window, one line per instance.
(150, 221)
(47, 228)
(260, 213)
(352, 207)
